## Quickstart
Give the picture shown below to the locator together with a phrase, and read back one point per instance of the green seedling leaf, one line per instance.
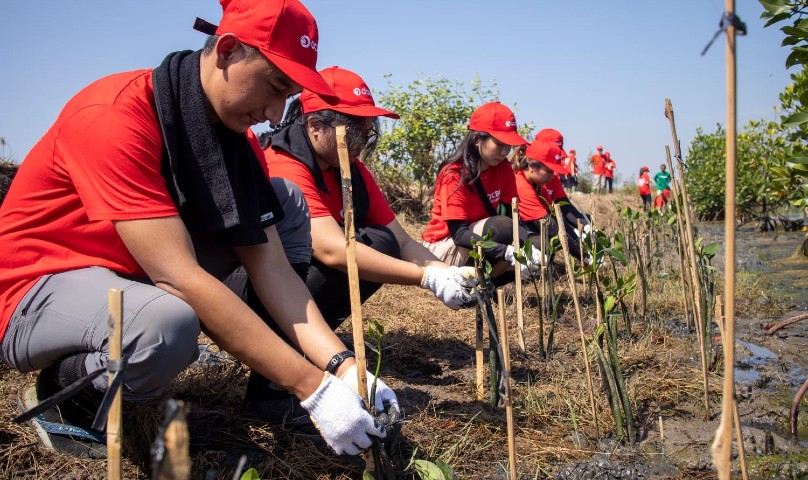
(427, 470)
(608, 305)
(796, 119)
(774, 7)
(711, 249)
(473, 254)
(250, 474)
(368, 476)
(448, 472)
(600, 330)
(617, 256)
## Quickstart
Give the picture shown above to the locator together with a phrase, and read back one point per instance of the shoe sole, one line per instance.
(63, 442)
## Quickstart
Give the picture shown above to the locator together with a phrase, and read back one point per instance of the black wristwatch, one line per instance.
(337, 360)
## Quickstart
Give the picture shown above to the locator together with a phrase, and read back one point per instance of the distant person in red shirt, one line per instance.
(659, 201)
(597, 164)
(570, 180)
(538, 187)
(151, 182)
(608, 170)
(471, 187)
(644, 186)
(305, 152)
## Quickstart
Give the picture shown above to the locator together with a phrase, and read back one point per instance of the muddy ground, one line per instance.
(428, 359)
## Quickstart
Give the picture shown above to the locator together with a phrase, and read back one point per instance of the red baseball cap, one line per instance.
(607, 154)
(353, 96)
(548, 154)
(551, 135)
(283, 30)
(498, 121)
(600, 147)
(572, 150)
(645, 168)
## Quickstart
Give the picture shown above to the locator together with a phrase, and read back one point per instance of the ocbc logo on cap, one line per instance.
(362, 91)
(306, 42)
(510, 123)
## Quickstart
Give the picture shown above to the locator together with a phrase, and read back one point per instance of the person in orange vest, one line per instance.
(596, 162)
(644, 186)
(608, 170)
(570, 179)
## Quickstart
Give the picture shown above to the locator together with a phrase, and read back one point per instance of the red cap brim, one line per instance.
(509, 138)
(556, 168)
(303, 76)
(365, 111)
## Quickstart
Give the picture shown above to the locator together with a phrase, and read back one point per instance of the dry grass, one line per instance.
(429, 362)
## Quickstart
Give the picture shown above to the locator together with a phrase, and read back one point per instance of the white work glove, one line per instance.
(452, 285)
(586, 229)
(533, 263)
(339, 415)
(385, 396)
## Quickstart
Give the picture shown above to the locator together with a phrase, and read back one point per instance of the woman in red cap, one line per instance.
(539, 186)
(472, 187)
(644, 185)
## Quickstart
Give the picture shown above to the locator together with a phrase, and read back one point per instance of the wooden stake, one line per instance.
(506, 373)
(353, 271)
(520, 319)
(478, 354)
(115, 306)
(680, 240)
(722, 446)
(562, 235)
(701, 316)
(176, 464)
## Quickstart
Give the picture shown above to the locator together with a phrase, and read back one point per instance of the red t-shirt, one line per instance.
(464, 203)
(99, 162)
(532, 206)
(608, 168)
(321, 203)
(569, 162)
(644, 184)
(597, 164)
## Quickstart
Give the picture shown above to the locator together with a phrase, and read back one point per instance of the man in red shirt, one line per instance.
(597, 163)
(150, 182)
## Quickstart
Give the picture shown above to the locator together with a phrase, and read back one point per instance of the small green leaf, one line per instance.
(448, 472)
(774, 7)
(250, 474)
(711, 249)
(608, 305)
(617, 256)
(796, 119)
(427, 470)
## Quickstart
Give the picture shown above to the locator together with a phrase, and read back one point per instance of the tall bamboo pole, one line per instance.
(562, 235)
(694, 271)
(722, 446)
(115, 305)
(506, 373)
(680, 243)
(353, 270)
(520, 319)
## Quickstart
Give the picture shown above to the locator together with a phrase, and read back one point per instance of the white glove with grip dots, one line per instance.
(450, 286)
(339, 415)
(385, 396)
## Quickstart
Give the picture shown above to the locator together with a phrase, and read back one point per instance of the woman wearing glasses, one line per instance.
(305, 152)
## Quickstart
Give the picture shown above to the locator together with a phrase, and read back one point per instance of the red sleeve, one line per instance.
(458, 202)
(379, 212)
(280, 165)
(530, 206)
(116, 170)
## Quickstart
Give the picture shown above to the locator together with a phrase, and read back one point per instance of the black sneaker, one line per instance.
(66, 427)
(279, 408)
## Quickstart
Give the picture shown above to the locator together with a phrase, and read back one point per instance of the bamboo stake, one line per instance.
(562, 235)
(701, 316)
(520, 319)
(545, 300)
(478, 354)
(722, 447)
(353, 271)
(176, 464)
(506, 373)
(115, 305)
(736, 416)
(680, 239)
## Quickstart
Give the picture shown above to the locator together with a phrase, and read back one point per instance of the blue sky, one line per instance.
(598, 71)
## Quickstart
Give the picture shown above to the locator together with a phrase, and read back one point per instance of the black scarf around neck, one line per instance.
(294, 140)
(212, 172)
